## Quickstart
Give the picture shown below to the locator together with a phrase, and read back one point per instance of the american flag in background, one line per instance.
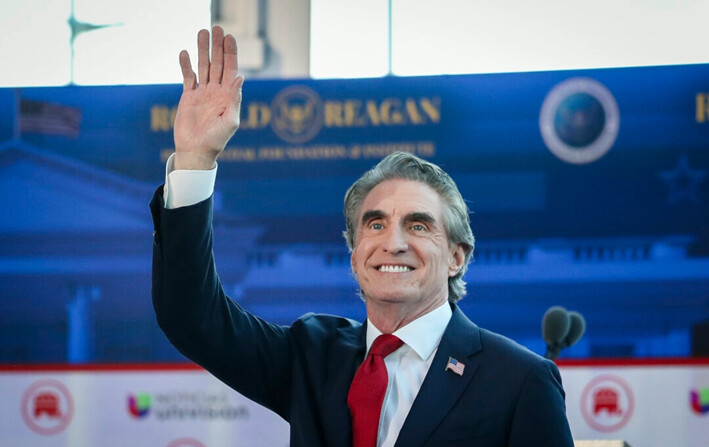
(455, 366)
(49, 118)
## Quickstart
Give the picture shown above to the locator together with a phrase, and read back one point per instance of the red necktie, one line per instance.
(367, 391)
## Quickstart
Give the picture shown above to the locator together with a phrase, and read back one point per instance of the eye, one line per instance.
(376, 226)
(418, 227)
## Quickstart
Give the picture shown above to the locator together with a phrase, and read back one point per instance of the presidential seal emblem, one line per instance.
(297, 114)
(579, 120)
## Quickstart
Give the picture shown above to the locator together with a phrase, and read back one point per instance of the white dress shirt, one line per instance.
(406, 367)
(186, 187)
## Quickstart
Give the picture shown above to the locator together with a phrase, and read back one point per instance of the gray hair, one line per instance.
(403, 165)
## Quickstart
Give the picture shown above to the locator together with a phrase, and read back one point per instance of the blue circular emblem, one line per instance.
(579, 120)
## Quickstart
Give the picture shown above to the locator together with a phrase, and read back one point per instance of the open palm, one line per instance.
(208, 112)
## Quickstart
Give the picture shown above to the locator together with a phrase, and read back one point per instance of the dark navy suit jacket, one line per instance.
(507, 396)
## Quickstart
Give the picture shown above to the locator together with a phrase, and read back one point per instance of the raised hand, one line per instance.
(208, 113)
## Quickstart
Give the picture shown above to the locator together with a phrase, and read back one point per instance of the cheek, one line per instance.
(358, 258)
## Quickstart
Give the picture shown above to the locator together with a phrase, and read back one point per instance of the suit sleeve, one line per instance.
(247, 353)
(540, 415)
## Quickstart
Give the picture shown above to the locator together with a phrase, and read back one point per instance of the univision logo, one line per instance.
(700, 400)
(139, 405)
(181, 405)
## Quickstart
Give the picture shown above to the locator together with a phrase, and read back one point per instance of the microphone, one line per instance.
(577, 327)
(555, 326)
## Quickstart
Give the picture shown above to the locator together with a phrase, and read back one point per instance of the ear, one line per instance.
(456, 260)
(353, 264)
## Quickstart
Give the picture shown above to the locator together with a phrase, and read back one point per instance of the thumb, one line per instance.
(235, 89)
(235, 92)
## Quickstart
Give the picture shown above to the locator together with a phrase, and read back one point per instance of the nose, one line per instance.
(395, 240)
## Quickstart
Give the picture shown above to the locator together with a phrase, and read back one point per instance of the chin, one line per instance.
(388, 297)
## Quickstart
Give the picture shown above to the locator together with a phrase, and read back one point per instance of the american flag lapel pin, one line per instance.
(455, 366)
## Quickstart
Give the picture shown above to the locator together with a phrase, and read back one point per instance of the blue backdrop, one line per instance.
(588, 190)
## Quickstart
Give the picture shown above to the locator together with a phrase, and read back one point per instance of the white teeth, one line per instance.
(394, 269)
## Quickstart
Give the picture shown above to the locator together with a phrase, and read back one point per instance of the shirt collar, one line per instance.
(422, 335)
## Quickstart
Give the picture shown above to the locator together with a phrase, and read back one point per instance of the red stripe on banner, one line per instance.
(140, 367)
(629, 362)
(98, 367)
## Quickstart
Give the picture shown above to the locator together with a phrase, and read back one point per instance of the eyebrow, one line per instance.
(420, 217)
(416, 216)
(372, 214)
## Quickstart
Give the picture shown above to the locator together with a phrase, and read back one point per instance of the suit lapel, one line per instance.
(344, 357)
(441, 389)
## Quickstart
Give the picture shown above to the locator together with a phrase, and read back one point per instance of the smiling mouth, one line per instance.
(394, 268)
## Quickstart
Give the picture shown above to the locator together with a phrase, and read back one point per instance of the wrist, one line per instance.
(193, 161)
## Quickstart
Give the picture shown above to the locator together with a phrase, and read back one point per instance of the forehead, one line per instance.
(401, 196)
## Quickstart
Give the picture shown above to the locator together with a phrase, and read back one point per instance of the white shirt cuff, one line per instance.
(185, 187)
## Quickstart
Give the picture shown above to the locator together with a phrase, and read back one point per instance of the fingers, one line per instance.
(203, 56)
(189, 79)
(215, 71)
(231, 65)
(223, 66)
